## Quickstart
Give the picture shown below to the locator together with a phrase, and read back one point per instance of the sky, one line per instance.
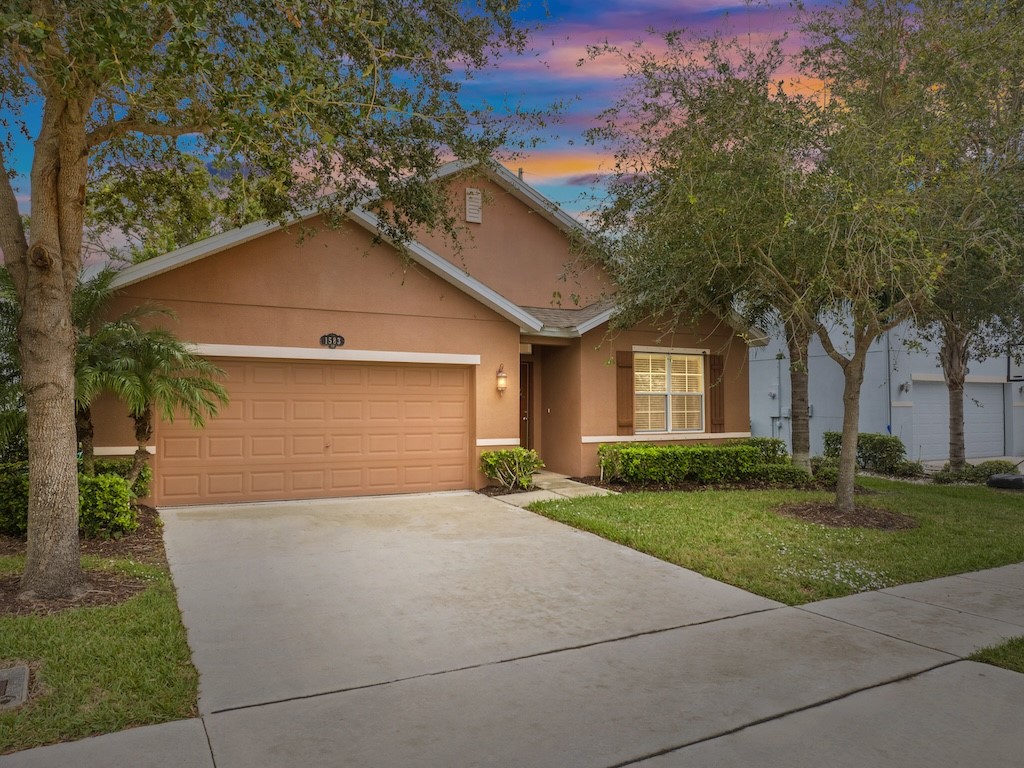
(563, 166)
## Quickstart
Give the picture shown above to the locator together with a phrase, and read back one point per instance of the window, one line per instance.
(668, 392)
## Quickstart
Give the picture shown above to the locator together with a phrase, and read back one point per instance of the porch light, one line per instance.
(502, 379)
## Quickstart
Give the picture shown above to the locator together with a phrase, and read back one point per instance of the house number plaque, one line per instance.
(332, 340)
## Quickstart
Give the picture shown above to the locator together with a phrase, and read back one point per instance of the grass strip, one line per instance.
(1008, 655)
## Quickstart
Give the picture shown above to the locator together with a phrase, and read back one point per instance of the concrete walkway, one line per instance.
(457, 630)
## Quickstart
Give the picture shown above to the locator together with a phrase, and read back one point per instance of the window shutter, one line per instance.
(716, 393)
(624, 392)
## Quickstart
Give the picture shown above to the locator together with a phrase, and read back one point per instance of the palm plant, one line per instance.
(159, 373)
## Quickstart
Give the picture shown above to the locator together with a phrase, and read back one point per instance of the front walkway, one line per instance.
(457, 630)
(551, 486)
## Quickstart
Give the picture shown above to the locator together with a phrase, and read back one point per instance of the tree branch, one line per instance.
(128, 125)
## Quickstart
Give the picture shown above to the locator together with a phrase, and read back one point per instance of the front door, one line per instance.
(525, 404)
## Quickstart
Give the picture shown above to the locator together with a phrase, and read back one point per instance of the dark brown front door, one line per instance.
(525, 404)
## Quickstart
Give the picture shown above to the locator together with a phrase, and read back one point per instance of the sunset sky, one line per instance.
(563, 166)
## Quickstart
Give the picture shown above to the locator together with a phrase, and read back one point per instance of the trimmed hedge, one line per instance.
(512, 468)
(879, 453)
(975, 473)
(773, 449)
(104, 503)
(642, 464)
(784, 474)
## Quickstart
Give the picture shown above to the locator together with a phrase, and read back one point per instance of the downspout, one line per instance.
(778, 388)
(888, 376)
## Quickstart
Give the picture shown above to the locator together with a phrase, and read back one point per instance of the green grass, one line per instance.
(1009, 655)
(101, 669)
(736, 536)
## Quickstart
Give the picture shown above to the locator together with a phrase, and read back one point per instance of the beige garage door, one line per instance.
(299, 430)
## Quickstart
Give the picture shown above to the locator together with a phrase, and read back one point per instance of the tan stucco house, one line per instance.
(411, 397)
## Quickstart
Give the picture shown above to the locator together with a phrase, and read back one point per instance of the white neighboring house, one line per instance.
(903, 394)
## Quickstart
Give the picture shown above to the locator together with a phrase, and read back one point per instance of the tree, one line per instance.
(354, 99)
(973, 54)
(710, 192)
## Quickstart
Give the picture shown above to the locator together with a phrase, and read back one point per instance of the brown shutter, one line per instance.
(715, 388)
(624, 392)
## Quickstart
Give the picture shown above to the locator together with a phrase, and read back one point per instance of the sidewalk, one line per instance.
(694, 673)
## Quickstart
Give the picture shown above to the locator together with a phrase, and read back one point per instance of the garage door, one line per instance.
(298, 430)
(983, 421)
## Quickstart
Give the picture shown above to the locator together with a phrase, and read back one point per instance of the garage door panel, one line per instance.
(307, 430)
(983, 421)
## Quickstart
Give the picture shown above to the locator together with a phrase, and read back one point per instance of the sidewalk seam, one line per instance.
(482, 665)
(209, 743)
(779, 716)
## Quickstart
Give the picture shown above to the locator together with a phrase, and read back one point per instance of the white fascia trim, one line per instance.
(200, 250)
(969, 379)
(902, 404)
(1018, 404)
(121, 450)
(663, 437)
(351, 355)
(672, 350)
(455, 276)
(596, 321)
(491, 442)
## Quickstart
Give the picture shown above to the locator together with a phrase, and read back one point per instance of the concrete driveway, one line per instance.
(455, 630)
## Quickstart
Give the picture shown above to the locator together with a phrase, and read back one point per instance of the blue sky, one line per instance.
(563, 166)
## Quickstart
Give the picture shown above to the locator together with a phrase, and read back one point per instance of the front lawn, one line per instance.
(737, 536)
(1009, 655)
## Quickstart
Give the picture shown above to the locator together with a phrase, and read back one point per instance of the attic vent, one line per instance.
(474, 206)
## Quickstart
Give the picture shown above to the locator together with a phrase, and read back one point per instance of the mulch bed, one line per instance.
(497, 490)
(826, 513)
(145, 545)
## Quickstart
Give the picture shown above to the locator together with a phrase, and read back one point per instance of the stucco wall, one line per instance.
(516, 251)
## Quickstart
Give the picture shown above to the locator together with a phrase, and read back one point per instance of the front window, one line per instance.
(668, 392)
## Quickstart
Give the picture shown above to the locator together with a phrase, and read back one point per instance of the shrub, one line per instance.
(640, 464)
(908, 469)
(825, 469)
(105, 503)
(783, 474)
(121, 466)
(875, 452)
(773, 449)
(512, 468)
(105, 507)
(977, 473)
(14, 498)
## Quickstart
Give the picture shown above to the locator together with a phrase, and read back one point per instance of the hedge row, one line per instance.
(884, 454)
(762, 459)
(105, 508)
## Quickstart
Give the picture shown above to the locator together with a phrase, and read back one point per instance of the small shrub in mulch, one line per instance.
(826, 513)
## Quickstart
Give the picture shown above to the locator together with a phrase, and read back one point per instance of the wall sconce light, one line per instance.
(502, 377)
(904, 387)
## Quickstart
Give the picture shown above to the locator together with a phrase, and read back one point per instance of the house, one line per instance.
(904, 394)
(354, 370)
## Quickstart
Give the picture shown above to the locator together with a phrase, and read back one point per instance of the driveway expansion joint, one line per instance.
(781, 715)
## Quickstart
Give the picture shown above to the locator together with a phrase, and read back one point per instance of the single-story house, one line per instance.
(904, 394)
(354, 370)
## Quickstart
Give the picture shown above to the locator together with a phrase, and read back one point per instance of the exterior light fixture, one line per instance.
(502, 377)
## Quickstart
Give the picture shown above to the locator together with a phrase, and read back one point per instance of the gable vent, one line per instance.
(474, 206)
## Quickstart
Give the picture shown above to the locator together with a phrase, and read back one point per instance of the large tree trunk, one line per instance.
(798, 339)
(953, 355)
(44, 278)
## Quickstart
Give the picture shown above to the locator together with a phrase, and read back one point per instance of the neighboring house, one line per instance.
(903, 394)
(413, 395)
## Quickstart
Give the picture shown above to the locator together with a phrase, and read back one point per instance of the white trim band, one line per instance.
(490, 442)
(902, 403)
(969, 379)
(351, 355)
(663, 437)
(672, 350)
(120, 450)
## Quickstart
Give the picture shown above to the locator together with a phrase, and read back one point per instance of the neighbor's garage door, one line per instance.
(311, 430)
(983, 421)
